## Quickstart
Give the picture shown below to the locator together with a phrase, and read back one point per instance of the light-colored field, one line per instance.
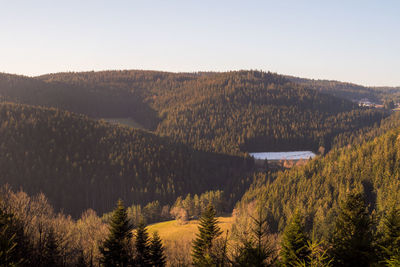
(124, 121)
(172, 230)
(177, 238)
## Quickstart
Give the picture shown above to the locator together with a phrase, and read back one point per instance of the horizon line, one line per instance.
(200, 71)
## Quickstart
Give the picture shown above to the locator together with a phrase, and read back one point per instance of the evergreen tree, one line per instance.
(51, 253)
(294, 242)
(318, 256)
(11, 241)
(390, 241)
(393, 261)
(352, 235)
(116, 248)
(142, 246)
(256, 249)
(7, 241)
(81, 260)
(157, 251)
(208, 233)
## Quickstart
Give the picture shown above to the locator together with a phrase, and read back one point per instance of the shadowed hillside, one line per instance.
(81, 163)
(233, 111)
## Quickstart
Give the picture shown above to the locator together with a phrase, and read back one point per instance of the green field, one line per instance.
(173, 230)
(124, 121)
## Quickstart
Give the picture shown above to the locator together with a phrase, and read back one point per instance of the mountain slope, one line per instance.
(95, 101)
(234, 111)
(317, 187)
(350, 91)
(81, 163)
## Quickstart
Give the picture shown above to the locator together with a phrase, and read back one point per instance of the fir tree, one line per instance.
(393, 261)
(208, 233)
(142, 246)
(256, 249)
(294, 242)
(390, 241)
(12, 241)
(81, 260)
(51, 251)
(352, 235)
(157, 251)
(318, 256)
(7, 241)
(116, 248)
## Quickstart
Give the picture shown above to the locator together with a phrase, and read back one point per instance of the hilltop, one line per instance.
(230, 112)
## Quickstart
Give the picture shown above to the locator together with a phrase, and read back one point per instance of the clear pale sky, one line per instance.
(354, 41)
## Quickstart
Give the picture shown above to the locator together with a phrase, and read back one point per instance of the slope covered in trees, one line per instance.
(350, 91)
(233, 111)
(81, 163)
(372, 167)
(95, 100)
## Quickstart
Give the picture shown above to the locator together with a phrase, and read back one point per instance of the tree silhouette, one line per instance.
(209, 231)
(116, 248)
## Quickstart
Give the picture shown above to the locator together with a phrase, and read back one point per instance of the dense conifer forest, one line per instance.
(231, 112)
(80, 163)
(78, 191)
(350, 91)
(370, 166)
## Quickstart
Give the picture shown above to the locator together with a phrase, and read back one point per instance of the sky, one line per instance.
(352, 41)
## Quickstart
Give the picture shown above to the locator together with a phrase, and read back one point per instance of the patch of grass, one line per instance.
(124, 121)
(173, 230)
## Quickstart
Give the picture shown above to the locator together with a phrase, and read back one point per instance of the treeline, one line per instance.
(81, 163)
(355, 239)
(350, 91)
(318, 187)
(229, 112)
(367, 133)
(31, 234)
(96, 101)
(250, 112)
(237, 111)
(183, 209)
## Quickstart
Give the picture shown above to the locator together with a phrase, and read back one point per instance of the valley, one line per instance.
(169, 145)
(200, 134)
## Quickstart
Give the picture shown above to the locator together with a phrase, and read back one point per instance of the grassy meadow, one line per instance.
(174, 230)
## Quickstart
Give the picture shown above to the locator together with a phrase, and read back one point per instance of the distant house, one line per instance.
(365, 102)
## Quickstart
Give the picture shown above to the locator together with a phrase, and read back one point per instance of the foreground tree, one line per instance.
(157, 256)
(142, 246)
(318, 256)
(352, 235)
(294, 242)
(390, 241)
(393, 261)
(203, 244)
(51, 251)
(9, 255)
(116, 248)
(14, 245)
(256, 248)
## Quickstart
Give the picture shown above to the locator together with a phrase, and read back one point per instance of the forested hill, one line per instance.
(317, 187)
(95, 100)
(350, 91)
(80, 163)
(233, 111)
